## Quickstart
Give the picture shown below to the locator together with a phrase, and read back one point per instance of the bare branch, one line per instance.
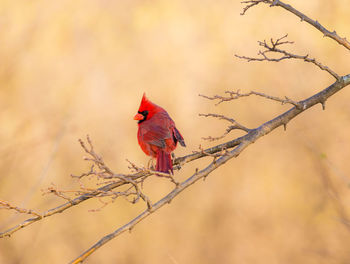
(273, 48)
(245, 141)
(110, 186)
(326, 33)
(221, 98)
(54, 190)
(165, 200)
(235, 95)
(249, 4)
(235, 125)
(223, 152)
(242, 142)
(84, 194)
(8, 206)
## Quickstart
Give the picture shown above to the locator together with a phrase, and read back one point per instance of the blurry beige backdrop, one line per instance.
(71, 68)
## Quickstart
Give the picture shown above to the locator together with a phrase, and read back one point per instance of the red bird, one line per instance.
(157, 134)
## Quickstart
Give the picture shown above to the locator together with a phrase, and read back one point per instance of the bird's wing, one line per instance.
(155, 134)
(178, 137)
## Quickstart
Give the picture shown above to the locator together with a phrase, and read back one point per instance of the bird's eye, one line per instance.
(144, 113)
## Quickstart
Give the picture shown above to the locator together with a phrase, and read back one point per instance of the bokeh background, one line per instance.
(71, 68)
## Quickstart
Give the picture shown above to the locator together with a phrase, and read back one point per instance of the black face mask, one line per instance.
(144, 113)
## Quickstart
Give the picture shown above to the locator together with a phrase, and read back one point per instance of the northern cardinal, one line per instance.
(157, 134)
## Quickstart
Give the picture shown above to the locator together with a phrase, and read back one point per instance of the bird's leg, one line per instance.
(150, 164)
(178, 166)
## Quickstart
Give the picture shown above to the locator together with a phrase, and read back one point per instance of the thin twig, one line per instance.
(326, 33)
(272, 47)
(9, 206)
(235, 125)
(233, 95)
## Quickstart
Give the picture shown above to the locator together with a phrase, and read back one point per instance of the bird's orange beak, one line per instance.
(138, 117)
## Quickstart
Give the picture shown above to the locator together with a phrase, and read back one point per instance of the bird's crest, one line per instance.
(146, 104)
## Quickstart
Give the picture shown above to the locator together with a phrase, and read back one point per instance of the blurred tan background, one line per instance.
(71, 68)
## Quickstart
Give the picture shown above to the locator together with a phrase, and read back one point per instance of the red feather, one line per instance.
(157, 134)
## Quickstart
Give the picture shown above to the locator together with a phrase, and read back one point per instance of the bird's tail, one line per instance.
(164, 163)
